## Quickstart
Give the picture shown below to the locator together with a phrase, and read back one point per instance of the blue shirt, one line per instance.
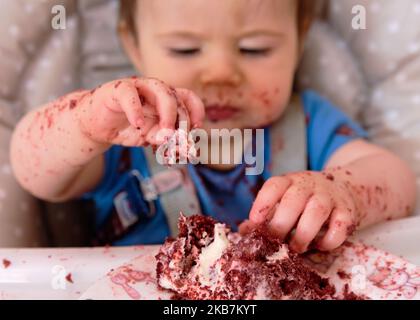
(226, 196)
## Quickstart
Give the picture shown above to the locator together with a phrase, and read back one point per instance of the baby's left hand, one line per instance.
(306, 201)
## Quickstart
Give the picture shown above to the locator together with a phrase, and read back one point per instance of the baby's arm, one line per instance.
(361, 185)
(383, 185)
(49, 151)
(57, 150)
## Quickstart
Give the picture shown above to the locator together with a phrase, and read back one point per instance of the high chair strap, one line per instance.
(179, 198)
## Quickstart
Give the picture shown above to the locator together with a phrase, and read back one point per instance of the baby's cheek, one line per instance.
(270, 103)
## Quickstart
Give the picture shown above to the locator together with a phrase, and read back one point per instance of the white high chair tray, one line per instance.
(391, 270)
(367, 271)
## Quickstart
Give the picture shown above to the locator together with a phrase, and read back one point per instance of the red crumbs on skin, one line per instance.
(6, 263)
(330, 177)
(117, 84)
(49, 119)
(266, 102)
(68, 278)
(72, 104)
(264, 209)
(264, 99)
(351, 229)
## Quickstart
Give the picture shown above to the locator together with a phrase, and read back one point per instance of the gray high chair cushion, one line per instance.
(38, 65)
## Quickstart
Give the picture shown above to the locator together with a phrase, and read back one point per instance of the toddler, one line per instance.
(227, 65)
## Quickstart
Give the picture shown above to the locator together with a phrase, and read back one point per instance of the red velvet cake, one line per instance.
(207, 261)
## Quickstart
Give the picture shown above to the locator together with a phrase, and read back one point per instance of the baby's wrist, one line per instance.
(346, 180)
(89, 147)
(83, 117)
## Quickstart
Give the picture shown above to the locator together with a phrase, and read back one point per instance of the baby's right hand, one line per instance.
(131, 111)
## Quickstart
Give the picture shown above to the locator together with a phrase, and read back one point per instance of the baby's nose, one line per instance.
(221, 69)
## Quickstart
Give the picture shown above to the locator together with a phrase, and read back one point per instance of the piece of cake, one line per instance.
(207, 261)
(179, 148)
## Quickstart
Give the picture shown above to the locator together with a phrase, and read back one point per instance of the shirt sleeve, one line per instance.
(328, 129)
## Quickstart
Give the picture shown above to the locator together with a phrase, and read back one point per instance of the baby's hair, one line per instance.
(126, 15)
(305, 14)
(307, 10)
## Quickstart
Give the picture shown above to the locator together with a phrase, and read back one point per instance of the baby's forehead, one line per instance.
(197, 12)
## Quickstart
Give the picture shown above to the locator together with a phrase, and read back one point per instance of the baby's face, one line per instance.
(239, 56)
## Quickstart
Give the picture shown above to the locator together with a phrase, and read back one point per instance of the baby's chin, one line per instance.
(231, 124)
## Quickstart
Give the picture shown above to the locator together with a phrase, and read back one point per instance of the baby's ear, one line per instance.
(130, 45)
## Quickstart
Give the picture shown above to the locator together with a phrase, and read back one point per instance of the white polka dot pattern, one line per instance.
(6, 169)
(387, 54)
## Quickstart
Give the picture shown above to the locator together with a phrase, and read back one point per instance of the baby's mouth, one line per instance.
(216, 113)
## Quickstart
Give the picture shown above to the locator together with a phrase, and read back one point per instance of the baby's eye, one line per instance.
(255, 51)
(184, 51)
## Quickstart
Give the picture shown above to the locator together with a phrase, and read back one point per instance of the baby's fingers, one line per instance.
(194, 105)
(317, 211)
(157, 94)
(267, 198)
(340, 227)
(130, 103)
(289, 210)
(156, 135)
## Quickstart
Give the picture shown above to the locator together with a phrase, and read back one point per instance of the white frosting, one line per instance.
(260, 293)
(172, 264)
(167, 283)
(210, 254)
(281, 254)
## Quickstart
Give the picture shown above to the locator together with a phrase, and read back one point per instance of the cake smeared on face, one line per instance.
(208, 261)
